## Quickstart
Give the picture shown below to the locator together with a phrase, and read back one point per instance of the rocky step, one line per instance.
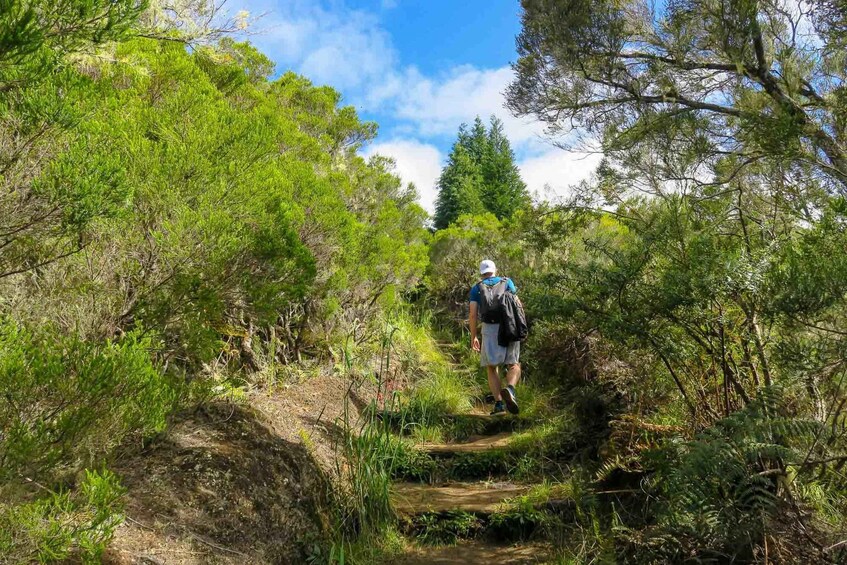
(477, 498)
(474, 444)
(461, 425)
(480, 458)
(475, 553)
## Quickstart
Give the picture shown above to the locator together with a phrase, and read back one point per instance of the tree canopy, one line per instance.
(720, 86)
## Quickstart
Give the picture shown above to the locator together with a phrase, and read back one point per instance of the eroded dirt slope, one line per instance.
(236, 483)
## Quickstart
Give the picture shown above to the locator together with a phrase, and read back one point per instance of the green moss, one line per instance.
(516, 525)
(444, 528)
(412, 464)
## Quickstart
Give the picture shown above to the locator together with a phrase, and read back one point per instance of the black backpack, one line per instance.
(492, 301)
(513, 327)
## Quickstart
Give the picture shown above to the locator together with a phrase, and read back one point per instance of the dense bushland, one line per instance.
(688, 302)
(696, 344)
(171, 218)
(690, 298)
(173, 221)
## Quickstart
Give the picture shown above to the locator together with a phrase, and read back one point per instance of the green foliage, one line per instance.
(367, 460)
(412, 464)
(672, 316)
(172, 216)
(64, 524)
(68, 402)
(633, 76)
(214, 198)
(384, 547)
(445, 528)
(480, 176)
(456, 250)
(37, 34)
(53, 186)
(517, 524)
(440, 393)
(719, 491)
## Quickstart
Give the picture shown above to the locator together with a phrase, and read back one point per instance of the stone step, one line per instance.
(479, 498)
(475, 553)
(474, 444)
(474, 423)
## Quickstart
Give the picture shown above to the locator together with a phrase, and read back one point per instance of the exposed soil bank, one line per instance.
(246, 483)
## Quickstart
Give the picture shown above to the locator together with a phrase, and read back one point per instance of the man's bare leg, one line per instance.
(513, 375)
(494, 382)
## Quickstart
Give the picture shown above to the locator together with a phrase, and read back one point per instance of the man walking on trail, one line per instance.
(488, 292)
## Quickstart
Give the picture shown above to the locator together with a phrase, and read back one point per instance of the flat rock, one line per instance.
(475, 553)
(473, 444)
(483, 498)
(478, 422)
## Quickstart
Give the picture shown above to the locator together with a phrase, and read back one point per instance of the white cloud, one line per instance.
(550, 174)
(557, 170)
(334, 45)
(437, 107)
(349, 49)
(416, 162)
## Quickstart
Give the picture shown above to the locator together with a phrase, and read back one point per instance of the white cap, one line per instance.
(487, 266)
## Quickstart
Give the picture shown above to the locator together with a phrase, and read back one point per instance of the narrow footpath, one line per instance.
(461, 513)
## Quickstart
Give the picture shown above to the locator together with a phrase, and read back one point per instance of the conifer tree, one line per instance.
(480, 176)
(459, 186)
(503, 191)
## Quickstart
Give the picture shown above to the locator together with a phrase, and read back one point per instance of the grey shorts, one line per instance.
(495, 354)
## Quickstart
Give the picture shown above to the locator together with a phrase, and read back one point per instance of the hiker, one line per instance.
(488, 291)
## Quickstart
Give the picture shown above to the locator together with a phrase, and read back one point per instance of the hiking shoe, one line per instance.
(498, 408)
(510, 399)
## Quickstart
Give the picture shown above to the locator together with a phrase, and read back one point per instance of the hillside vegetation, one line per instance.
(210, 302)
(173, 224)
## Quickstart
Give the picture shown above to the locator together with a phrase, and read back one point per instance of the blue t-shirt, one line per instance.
(491, 281)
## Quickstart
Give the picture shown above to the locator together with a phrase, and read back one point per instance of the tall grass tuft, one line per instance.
(367, 451)
(437, 394)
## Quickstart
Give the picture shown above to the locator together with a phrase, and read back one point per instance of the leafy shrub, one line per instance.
(66, 523)
(68, 402)
(720, 491)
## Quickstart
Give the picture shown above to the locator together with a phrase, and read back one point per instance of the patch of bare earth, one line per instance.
(246, 483)
(475, 553)
(416, 498)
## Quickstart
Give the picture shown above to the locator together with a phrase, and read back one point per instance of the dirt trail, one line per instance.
(476, 553)
(414, 498)
(473, 444)
(421, 505)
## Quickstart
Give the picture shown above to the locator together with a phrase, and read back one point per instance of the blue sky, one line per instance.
(419, 69)
(440, 34)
